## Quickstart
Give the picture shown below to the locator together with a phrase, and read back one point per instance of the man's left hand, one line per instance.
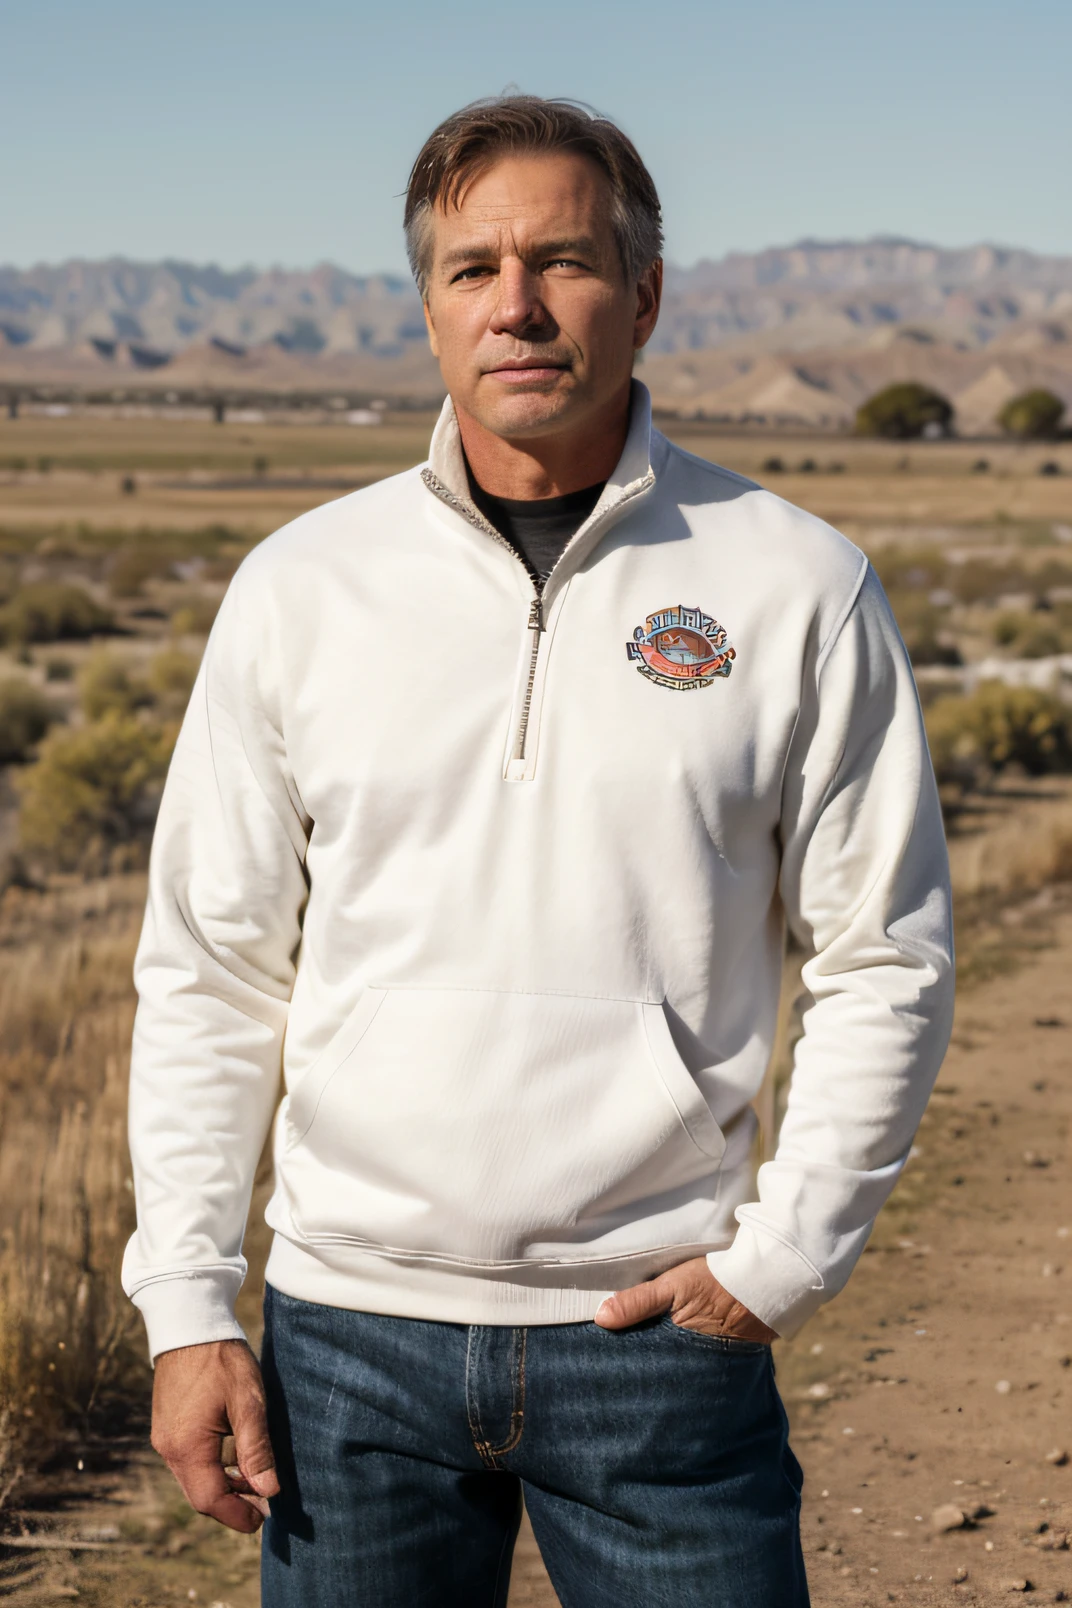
(694, 1299)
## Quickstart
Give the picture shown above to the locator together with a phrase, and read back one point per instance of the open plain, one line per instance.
(931, 1402)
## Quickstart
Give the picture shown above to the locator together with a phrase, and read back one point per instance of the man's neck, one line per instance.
(545, 466)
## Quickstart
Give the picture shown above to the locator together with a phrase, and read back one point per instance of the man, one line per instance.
(499, 784)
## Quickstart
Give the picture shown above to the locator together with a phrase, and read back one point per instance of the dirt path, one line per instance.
(941, 1379)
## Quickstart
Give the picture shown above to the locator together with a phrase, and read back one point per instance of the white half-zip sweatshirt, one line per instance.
(498, 886)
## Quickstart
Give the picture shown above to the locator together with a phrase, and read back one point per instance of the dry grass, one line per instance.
(62, 472)
(71, 1356)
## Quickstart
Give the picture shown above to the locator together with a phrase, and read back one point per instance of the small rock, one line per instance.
(1052, 1541)
(818, 1392)
(960, 1576)
(177, 1544)
(1003, 1387)
(1058, 1457)
(947, 1517)
(982, 1511)
(1018, 1585)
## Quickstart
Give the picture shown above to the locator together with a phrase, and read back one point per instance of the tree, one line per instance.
(904, 412)
(1033, 415)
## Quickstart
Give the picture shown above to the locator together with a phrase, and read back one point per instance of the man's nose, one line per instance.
(518, 307)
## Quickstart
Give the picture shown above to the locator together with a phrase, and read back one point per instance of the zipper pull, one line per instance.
(536, 615)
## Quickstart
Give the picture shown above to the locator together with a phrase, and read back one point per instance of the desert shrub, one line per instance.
(52, 611)
(910, 568)
(1031, 636)
(59, 669)
(194, 616)
(92, 791)
(903, 412)
(1033, 415)
(920, 624)
(981, 581)
(1007, 627)
(171, 678)
(133, 566)
(107, 684)
(25, 716)
(1039, 640)
(997, 726)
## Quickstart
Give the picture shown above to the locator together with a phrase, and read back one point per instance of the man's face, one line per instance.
(528, 308)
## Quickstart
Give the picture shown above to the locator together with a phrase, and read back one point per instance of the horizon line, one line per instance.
(806, 242)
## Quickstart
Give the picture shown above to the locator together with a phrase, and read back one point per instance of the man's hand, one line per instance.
(200, 1395)
(694, 1299)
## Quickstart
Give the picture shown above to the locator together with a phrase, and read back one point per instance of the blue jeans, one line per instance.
(654, 1462)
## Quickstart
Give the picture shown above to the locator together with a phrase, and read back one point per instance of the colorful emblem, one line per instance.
(682, 648)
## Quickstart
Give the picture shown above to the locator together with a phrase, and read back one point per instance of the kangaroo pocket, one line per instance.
(495, 1127)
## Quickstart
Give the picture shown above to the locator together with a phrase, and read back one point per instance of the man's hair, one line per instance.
(470, 141)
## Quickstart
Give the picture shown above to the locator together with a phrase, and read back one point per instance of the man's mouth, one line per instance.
(526, 370)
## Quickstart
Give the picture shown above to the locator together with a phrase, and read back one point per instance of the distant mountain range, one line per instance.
(795, 318)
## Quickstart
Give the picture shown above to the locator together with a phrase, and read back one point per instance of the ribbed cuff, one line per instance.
(770, 1278)
(189, 1310)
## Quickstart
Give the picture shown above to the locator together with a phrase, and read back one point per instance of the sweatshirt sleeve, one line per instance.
(214, 971)
(865, 885)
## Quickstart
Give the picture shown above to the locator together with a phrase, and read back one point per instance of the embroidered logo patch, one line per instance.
(682, 648)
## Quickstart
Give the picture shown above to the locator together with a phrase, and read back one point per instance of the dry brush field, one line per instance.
(940, 1380)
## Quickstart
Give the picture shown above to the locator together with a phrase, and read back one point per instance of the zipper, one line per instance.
(535, 621)
(536, 627)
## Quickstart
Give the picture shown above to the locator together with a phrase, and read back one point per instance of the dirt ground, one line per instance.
(941, 1379)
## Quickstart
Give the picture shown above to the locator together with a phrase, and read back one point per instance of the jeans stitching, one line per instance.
(517, 1412)
(491, 1455)
(472, 1406)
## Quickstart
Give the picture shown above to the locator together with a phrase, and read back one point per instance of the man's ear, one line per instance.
(649, 300)
(430, 327)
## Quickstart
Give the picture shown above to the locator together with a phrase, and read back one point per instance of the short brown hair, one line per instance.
(470, 140)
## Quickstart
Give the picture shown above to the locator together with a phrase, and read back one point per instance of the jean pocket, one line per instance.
(728, 1344)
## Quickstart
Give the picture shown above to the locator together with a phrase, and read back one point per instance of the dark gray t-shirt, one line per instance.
(538, 531)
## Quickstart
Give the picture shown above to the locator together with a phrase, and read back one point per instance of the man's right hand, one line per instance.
(200, 1395)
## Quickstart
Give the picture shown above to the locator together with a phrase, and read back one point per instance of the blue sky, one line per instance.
(237, 132)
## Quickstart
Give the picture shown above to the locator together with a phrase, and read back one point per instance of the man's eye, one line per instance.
(477, 272)
(564, 262)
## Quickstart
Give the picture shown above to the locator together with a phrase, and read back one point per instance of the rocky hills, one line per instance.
(792, 334)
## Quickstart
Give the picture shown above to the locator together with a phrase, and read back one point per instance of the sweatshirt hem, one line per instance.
(366, 1282)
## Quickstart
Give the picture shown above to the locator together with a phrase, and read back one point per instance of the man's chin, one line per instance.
(530, 409)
